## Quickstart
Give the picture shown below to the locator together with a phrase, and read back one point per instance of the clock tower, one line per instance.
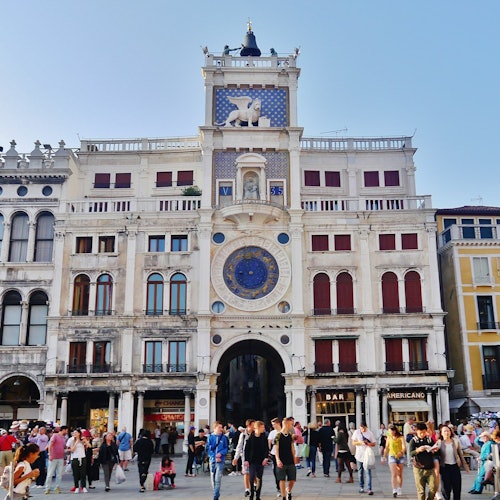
(251, 311)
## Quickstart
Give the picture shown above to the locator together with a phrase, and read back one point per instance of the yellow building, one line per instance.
(469, 256)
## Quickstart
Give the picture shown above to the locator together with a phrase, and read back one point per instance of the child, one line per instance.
(23, 474)
(167, 472)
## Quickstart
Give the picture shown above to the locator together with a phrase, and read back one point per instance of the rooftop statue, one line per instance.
(227, 51)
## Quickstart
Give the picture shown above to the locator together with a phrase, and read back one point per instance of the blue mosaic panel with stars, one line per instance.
(274, 104)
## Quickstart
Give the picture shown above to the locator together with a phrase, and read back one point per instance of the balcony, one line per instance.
(335, 368)
(491, 381)
(164, 368)
(460, 232)
(411, 366)
(90, 368)
(488, 325)
(318, 311)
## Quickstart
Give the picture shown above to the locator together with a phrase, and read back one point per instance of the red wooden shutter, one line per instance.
(413, 292)
(390, 296)
(394, 354)
(321, 287)
(323, 356)
(347, 355)
(345, 299)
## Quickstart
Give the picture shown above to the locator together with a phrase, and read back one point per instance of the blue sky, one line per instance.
(123, 69)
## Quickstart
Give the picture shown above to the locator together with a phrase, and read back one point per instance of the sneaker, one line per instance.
(438, 495)
(232, 473)
(278, 494)
(142, 490)
(370, 492)
(84, 490)
(398, 491)
(247, 493)
(326, 475)
(57, 490)
(47, 492)
(107, 488)
(77, 491)
(361, 490)
(173, 486)
(73, 489)
(289, 496)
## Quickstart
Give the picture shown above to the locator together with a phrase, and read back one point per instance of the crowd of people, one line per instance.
(436, 455)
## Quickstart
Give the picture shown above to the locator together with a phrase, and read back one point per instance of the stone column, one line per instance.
(187, 413)
(23, 327)
(111, 412)
(139, 420)
(444, 404)
(130, 269)
(4, 254)
(289, 403)
(64, 410)
(385, 410)
(30, 250)
(359, 408)
(213, 407)
(312, 403)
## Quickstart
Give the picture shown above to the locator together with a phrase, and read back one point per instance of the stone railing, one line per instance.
(125, 145)
(355, 144)
(251, 62)
(321, 204)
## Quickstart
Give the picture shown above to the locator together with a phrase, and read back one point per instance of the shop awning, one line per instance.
(487, 404)
(455, 404)
(411, 405)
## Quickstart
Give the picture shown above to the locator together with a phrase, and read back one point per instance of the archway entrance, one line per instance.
(250, 383)
(19, 398)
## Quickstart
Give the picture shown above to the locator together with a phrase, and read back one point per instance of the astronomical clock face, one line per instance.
(251, 273)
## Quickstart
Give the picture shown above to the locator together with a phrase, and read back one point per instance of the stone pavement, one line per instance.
(199, 487)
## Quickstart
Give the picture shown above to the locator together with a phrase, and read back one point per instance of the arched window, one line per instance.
(1, 232)
(37, 320)
(11, 318)
(321, 295)
(18, 250)
(81, 290)
(345, 298)
(154, 299)
(104, 295)
(178, 291)
(44, 239)
(413, 292)
(390, 297)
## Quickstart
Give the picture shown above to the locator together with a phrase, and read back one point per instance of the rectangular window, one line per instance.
(449, 222)
(323, 356)
(37, 330)
(418, 357)
(491, 360)
(481, 270)
(393, 354)
(347, 355)
(371, 179)
(163, 179)
(11, 324)
(332, 179)
(101, 359)
(122, 180)
(468, 233)
(83, 244)
(156, 244)
(409, 241)
(106, 244)
(485, 312)
(342, 242)
(486, 233)
(179, 243)
(387, 241)
(152, 357)
(102, 181)
(177, 356)
(185, 178)
(391, 178)
(77, 357)
(320, 243)
(311, 178)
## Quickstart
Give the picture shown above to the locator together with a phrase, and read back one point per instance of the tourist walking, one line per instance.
(124, 442)
(240, 453)
(108, 457)
(191, 452)
(144, 448)
(395, 452)
(364, 439)
(78, 461)
(256, 453)
(285, 459)
(325, 441)
(343, 453)
(276, 425)
(217, 448)
(311, 437)
(452, 459)
(56, 454)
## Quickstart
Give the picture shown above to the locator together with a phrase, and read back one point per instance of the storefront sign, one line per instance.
(167, 417)
(164, 403)
(406, 395)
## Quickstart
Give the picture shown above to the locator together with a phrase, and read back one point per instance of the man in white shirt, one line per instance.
(363, 438)
(275, 422)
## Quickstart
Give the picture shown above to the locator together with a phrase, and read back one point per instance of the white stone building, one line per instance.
(247, 271)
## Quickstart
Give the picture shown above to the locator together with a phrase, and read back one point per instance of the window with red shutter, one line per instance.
(390, 296)
(320, 243)
(371, 179)
(413, 292)
(342, 242)
(347, 355)
(102, 181)
(163, 179)
(393, 354)
(332, 179)
(185, 178)
(409, 241)
(321, 295)
(123, 180)
(345, 299)
(387, 241)
(311, 178)
(391, 178)
(323, 362)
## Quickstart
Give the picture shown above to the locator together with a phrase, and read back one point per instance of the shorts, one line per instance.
(286, 472)
(125, 455)
(394, 460)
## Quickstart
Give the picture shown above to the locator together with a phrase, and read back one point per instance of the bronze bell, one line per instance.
(250, 46)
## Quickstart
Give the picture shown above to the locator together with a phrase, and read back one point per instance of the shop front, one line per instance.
(335, 405)
(406, 403)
